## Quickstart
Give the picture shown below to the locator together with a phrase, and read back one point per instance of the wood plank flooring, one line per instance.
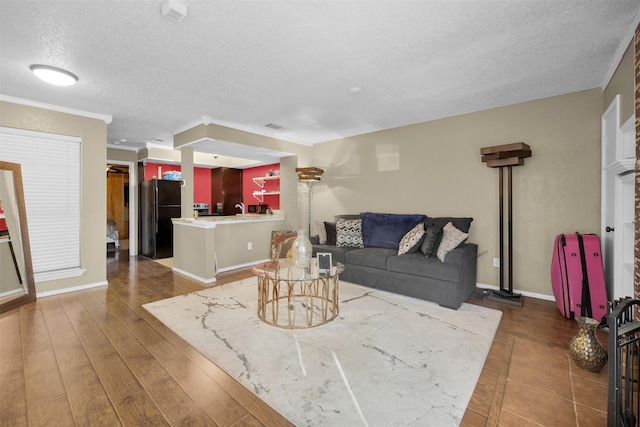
(97, 358)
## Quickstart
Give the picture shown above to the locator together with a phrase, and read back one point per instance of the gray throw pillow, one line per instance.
(330, 228)
(431, 237)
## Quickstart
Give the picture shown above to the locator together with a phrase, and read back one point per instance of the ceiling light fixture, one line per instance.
(53, 75)
(174, 10)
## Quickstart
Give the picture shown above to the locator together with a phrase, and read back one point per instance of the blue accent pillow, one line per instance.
(380, 230)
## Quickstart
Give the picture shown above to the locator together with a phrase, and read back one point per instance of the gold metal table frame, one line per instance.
(293, 298)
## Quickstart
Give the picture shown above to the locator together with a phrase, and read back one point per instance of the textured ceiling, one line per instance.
(246, 64)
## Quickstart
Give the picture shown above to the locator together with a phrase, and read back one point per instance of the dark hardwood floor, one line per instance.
(96, 357)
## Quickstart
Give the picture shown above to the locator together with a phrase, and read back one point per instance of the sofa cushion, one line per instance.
(432, 235)
(370, 257)
(411, 241)
(385, 230)
(419, 265)
(345, 216)
(451, 239)
(349, 233)
(337, 253)
(462, 224)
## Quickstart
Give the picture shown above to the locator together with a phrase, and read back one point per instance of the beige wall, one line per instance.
(93, 133)
(622, 83)
(435, 168)
(115, 154)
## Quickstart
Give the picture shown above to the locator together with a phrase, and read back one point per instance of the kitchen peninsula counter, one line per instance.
(205, 246)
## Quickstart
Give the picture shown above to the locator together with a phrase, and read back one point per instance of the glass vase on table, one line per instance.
(302, 250)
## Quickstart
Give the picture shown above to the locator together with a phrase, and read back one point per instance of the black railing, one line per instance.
(624, 364)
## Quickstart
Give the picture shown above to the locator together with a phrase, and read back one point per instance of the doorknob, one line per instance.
(608, 229)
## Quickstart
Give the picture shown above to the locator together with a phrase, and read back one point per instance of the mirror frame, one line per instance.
(30, 286)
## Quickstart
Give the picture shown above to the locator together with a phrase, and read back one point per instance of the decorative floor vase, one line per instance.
(585, 349)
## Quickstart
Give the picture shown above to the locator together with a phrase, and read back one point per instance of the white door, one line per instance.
(624, 235)
(618, 195)
(610, 136)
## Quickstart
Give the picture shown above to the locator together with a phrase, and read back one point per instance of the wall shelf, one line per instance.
(259, 195)
(259, 180)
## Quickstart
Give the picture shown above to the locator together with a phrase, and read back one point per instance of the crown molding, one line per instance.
(29, 103)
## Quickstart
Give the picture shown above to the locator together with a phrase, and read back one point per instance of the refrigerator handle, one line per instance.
(155, 208)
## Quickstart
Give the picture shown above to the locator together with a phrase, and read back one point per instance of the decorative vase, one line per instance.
(302, 250)
(585, 348)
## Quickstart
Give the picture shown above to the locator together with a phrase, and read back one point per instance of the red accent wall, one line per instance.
(152, 169)
(201, 177)
(3, 223)
(248, 186)
(202, 186)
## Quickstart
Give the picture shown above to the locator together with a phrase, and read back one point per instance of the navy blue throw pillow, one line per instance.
(381, 230)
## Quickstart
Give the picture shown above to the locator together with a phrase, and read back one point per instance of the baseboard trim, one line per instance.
(71, 289)
(194, 277)
(525, 293)
(236, 267)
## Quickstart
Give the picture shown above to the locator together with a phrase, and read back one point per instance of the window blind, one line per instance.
(51, 179)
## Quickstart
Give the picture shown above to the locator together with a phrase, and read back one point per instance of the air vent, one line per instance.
(174, 10)
(274, 126)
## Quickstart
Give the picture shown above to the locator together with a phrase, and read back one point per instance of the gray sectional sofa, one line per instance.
(388, 252)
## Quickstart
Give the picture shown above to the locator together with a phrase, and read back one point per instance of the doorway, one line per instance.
(120, 181)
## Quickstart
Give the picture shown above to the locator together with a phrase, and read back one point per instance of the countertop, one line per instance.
(213, 221)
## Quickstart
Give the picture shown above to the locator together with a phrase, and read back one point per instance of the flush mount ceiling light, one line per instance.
(53, 75)
(174, 10)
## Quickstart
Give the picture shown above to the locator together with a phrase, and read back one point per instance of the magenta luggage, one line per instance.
(577, 276)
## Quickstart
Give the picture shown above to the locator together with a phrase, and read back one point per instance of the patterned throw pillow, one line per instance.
(451, 239)
(412, 240)
(349, 233)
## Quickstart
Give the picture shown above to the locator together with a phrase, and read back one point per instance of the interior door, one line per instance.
(618, 197)
(624, 235)
(610, 136)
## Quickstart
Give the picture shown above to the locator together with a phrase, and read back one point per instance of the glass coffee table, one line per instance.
(294, 298)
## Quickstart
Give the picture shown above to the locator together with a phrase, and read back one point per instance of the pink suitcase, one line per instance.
(577, 276)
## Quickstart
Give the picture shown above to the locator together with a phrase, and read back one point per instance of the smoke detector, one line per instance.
(174, 10)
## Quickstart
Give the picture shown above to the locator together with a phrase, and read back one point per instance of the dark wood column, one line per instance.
(500, 157)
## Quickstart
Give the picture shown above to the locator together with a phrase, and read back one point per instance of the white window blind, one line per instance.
(51, 179)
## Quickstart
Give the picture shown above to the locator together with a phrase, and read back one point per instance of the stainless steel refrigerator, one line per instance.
(159, 202)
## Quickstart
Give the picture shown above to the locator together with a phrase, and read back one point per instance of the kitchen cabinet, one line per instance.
(226, 190)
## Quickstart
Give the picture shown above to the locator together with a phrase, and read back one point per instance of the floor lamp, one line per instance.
(500, 157)
(309, 176)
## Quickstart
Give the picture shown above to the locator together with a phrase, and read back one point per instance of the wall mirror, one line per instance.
(17, 284)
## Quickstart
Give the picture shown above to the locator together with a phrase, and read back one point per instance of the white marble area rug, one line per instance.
(385, 360)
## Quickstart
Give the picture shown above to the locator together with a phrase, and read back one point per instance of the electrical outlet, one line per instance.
(496, 262)
(250, 246)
